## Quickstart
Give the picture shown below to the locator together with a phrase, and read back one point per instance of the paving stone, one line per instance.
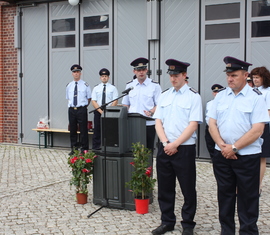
(36, 198)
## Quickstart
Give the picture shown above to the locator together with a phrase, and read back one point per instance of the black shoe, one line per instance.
(71, 153)
(187, 231)
(163, 229)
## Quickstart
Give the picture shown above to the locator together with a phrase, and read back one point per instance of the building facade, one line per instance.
(41, 39)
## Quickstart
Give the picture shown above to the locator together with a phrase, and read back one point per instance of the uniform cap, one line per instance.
(139, 63)
(233, 64)
(216, 87)
(249, 78)
(104, 72)
(76, 67)
(176, 67)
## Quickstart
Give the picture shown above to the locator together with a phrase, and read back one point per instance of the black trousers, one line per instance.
(150, 137)
(181, 166)
(80, 117)
(210, 143)
(97, 131)
(242, 174)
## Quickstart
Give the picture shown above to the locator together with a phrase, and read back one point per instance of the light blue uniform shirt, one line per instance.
(143, 97)
(176, 109)
(208, 107)
(235, 115)
(111, 93)
(84, 93)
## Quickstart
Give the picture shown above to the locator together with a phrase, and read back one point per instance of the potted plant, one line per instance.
(142, 182)
(81, 165)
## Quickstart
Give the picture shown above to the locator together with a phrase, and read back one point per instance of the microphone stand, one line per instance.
(105, 202)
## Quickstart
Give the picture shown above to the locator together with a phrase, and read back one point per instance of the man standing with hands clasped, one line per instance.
(178, 113)
(237, 120)
(78, 94)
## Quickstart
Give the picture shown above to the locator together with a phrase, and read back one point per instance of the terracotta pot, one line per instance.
(142, 205)
(81, 198)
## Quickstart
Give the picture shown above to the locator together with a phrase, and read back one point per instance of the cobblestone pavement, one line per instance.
(35, 198)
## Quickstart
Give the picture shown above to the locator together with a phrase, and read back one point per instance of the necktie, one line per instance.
(104, 94)
(75, 94)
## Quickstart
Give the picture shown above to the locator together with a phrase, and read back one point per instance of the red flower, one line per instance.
(81, 157)
(148, 171)
(85, 151)
(85, 170)
(88, 160)
(132, 163)
(73, 160)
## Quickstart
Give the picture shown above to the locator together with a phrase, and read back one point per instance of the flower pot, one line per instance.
(81, 198)
(142, 205)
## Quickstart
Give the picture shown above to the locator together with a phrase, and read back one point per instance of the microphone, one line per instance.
(127, 90)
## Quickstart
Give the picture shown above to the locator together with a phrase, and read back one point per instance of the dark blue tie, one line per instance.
(75, 95)
(104, 95)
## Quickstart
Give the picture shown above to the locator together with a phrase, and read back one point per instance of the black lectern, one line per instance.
(121, 130)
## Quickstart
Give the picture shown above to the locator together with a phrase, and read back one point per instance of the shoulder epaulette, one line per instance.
(193, 90)
(155, 82)
(165, 90)
(67, 84)
(129, 81)
(257, 91)
(86, 84)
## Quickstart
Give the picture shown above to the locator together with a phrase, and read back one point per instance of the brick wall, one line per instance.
(8, 76)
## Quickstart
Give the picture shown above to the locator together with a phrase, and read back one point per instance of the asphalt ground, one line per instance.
(36, 198)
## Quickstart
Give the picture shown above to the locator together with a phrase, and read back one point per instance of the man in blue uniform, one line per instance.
(143, 98)
(102, 93)
(237, 120)
(210, 143)
(178, 113)
(78, 94)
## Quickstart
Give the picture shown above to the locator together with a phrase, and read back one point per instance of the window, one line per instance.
(225, 28)
(61, 33)
(222, 31)
(63, 41)
(260, 26)
(96, 39)
(96, 22)
(96, 31)
(63, 25)
(222, 11)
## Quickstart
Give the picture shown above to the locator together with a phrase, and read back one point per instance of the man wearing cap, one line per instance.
(210, 143)
(178, 113)
(249, 81)
(78, 94)
(237, 120)
(102, 93)
(143, 97)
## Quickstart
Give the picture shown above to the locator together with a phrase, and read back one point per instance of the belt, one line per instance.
(75, 108)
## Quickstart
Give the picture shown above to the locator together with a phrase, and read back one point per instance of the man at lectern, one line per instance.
(143, 97)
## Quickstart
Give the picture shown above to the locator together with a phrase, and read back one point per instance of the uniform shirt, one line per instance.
(235, 115)
(176, 109)
(143, 97)
(208, 107)
(84, 93)
(266, 94)
(111, 93)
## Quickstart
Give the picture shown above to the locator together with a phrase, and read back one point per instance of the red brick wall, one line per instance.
(8, 76)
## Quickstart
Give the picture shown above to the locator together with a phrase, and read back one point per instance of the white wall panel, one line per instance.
(179, 38)
(35, 70)
(130, 38)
